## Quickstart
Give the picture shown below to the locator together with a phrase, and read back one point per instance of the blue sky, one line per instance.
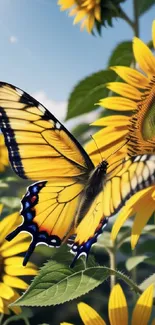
(44, 54)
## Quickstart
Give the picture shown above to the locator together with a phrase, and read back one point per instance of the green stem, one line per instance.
(134, 276)
(15, 318)
(136, 18)
(112, 256)
(1, 318)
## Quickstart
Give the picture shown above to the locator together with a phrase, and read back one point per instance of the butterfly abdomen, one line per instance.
(93, 187)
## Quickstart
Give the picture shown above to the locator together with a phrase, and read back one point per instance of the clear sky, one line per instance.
(45, 55)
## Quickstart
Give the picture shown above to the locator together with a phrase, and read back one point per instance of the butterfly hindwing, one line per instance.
(133, 175)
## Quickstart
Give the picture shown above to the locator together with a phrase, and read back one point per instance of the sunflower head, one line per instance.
(137, 97)
(92, 13)
(11, 264)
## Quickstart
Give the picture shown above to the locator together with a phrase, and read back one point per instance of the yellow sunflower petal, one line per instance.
(5, 291)
(118, 103)
(122, 217)
(153, 33)
(79, 16)
(66, 4)
(143, 308)
(1, 306)
(141, 219)
(89, 316)
(14, 282)
(16, 309)
(14, 250)
(114, 120)
(22, 237)
(19, 270)
(118, 311)
(90, 23)
(7, 224)
(125, 90)
(127, 211)
(97, 13)
(144, 56)
(17, 260)
(133, 77)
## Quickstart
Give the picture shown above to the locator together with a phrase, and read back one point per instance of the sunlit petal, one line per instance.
(143, 308)
(14, 282)
(89, 316)
(133, 77)
(141, 219)
(117, 307)
(118, 103)
(113, 120)
(144, 56)
(125, 90)
(5, 291)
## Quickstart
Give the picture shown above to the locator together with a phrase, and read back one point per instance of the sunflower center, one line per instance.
(148, 125)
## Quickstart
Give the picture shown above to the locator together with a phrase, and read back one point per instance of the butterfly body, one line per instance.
(71, 195)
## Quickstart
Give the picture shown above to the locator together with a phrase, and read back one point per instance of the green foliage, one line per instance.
(88, 92)
(121, 55)
(57, 283)
(134, 261)
(144, 5)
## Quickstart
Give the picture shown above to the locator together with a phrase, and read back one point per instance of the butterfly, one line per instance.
(71, 199)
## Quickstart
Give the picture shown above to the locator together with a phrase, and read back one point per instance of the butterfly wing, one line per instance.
(132, 175)
(41, 148)
(135, 174)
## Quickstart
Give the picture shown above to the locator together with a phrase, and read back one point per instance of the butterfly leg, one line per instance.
(14, 233)
(29, 251)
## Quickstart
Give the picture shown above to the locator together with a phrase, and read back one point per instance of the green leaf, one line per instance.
(144, 5)
(57, 283)
(132, 262)
(88, 92)
(150, 280)
(11, 202)
(122, 54)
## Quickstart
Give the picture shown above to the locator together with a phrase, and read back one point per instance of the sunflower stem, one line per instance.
(136, 18)
(112, 255)
(134, 276)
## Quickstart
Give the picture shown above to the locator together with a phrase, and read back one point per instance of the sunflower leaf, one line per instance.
(132, 262)
(88, 92)
(144, 285)
(57, 283)
(122, 54)
(144, 5)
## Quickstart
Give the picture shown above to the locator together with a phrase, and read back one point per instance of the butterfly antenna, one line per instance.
(117, 149)
(97, 147)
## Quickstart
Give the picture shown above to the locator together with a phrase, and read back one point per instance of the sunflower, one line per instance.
(11, 264)
(92, 13)
(85, 10)
(4, 162)
(134, 134)
(136, 96)
(118, 310)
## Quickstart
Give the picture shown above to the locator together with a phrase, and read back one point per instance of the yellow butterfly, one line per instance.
(72, 196)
